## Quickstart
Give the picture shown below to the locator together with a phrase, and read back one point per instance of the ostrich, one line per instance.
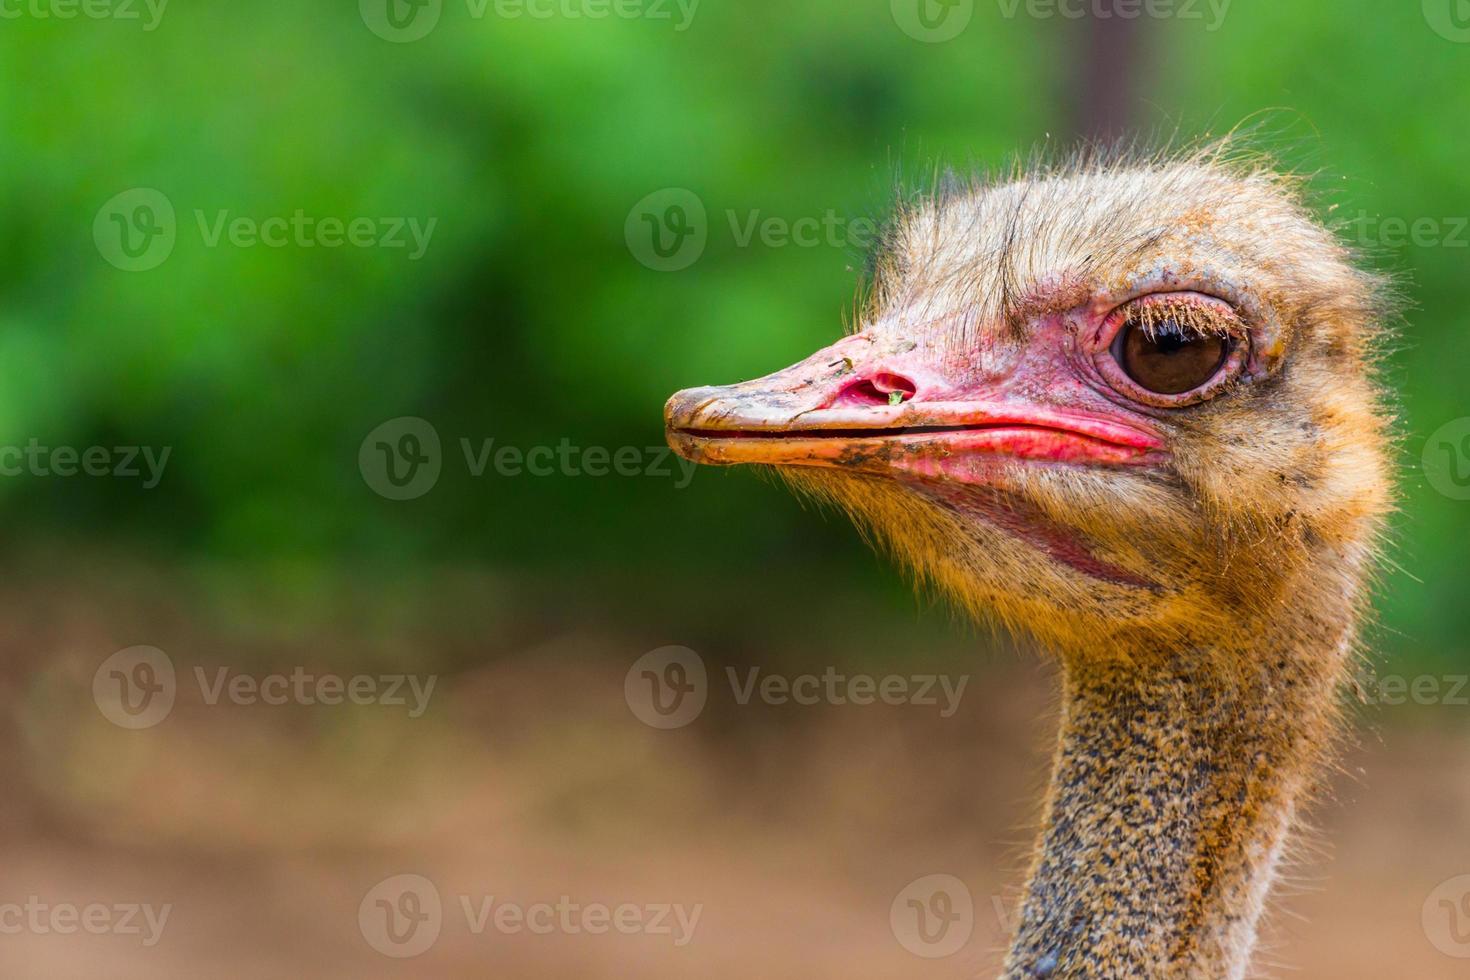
(1125, 406)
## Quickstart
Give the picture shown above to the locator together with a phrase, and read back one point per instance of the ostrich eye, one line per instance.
(1167, 357)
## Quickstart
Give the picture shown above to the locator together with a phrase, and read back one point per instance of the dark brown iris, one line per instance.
(1170, 358)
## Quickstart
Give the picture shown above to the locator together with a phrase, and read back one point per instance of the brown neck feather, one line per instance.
(1173, 794)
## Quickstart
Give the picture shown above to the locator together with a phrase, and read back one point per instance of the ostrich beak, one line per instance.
(843, 407)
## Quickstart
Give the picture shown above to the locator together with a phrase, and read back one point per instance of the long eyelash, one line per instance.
(1151, 316)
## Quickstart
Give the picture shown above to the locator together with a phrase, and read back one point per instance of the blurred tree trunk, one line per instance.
(1111, 65)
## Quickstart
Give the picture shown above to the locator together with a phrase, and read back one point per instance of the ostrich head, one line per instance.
(1127, 409)
(1113, 406)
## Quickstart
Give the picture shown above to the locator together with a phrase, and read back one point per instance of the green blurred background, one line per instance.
(529, 320)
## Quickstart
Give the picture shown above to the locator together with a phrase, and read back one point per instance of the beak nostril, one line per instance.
(895, 384)
(880, 389)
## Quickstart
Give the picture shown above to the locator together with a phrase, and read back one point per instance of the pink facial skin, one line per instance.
(863, 404)
(944, 419)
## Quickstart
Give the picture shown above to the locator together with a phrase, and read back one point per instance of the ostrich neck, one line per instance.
(1173, 794)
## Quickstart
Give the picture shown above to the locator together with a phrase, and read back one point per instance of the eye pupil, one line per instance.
(1170, 358)
(1170, 339)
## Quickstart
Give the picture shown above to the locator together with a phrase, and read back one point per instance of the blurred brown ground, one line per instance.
(530, 779)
